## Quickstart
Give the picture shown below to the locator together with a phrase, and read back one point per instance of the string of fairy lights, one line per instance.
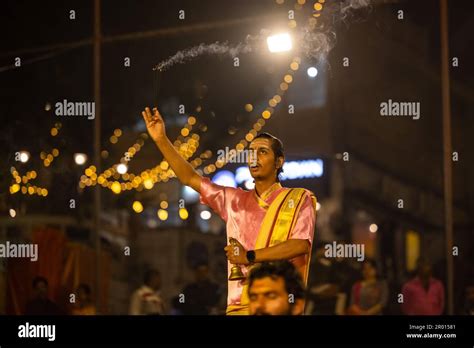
(117, 178)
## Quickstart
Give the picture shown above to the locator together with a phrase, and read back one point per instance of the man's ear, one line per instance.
(298, 307)
(279, 162)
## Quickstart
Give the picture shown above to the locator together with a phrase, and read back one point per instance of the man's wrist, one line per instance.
(251, 256)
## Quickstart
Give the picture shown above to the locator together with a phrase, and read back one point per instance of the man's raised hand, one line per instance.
(154, 124)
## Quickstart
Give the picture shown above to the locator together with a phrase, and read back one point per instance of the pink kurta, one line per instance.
(243, 216)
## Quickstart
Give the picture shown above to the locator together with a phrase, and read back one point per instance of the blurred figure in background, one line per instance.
(41, 304)
(202, 296)
(469, 305)
(423, 295)
(147, 300)
(276, 288)
(369, 296)
(323, 292)
(84, 304)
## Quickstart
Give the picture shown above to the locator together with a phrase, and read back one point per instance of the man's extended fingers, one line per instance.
(148, 112)
(146, 118)
(156, 114)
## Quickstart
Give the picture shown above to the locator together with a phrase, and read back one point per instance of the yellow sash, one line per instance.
(276, 228)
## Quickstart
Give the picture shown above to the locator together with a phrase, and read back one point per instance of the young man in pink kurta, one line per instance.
(244, 211)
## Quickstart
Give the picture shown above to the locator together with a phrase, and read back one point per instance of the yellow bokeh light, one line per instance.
(44, 192)
(266, 114)
(24, 190)
(318, 6)
(54, 132)
(55, 152)
(283, 86)
(294, 66)
(288, 78)
(148, 184)
(113, 139)
(164, 205)
(116, 187)
(192, 120)
(248, 107)
(249, 137)
(164, 165)
(46, 162)
(118, 132)
(88, 172)
(14, 188)
(137, 207)
(184, 132)
(31, 190)
(183, 213)
(162, 214)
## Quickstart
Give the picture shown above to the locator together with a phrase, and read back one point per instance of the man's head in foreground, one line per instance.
(276, 288)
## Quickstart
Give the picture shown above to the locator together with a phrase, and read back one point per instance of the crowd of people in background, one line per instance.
(339, 286)
(345, 286)
(41, 304)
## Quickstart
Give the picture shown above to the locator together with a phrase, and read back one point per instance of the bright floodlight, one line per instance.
(122, 168)
(205, 215)
(312, 72)
(373, 228)
(24, 156)
(80, 158)
(279, 43)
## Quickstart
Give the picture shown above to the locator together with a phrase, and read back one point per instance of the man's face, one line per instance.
(269, 297)
(262, 159)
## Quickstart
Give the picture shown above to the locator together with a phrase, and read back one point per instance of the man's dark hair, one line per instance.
(149, 275)
(277, 148)
(38, 280)
(284, 269)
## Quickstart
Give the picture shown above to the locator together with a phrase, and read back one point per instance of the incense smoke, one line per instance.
(313, 43)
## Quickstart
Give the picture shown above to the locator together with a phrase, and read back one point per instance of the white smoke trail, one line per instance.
(215, 48)
(315, 44)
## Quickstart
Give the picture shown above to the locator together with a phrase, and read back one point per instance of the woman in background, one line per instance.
(368, 296)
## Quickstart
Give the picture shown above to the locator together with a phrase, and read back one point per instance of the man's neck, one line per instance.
(262, 185)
